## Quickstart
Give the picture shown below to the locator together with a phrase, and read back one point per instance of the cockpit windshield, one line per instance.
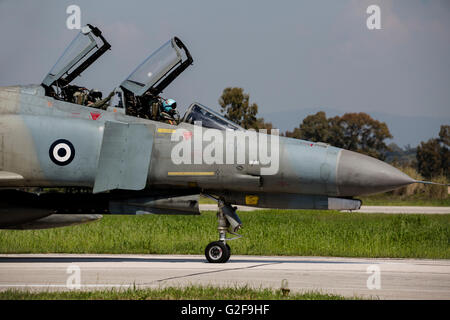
(208, 118)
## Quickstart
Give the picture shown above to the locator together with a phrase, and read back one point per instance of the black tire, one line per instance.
(217, 252)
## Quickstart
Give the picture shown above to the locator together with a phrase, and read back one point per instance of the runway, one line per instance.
(364, 209)
(350, 277)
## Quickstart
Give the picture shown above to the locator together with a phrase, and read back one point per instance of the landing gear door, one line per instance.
(125, 156)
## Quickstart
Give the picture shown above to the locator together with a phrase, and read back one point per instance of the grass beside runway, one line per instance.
(169, 293)
(266, 232)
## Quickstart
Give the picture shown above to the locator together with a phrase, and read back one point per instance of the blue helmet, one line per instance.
(169, 105)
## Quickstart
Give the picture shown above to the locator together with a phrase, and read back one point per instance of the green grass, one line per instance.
(266, 232)
(169, 293)
(206, 200)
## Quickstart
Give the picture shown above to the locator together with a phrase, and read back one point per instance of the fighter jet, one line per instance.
(64, 161)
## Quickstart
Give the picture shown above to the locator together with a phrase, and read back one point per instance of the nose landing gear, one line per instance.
(228, 221)
(217, 252)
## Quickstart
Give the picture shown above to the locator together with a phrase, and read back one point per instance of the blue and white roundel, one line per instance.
(62, 152)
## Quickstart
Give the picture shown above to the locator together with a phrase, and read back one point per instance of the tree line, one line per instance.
(352, 131)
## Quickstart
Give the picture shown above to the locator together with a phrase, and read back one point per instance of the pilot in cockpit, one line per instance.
(137, 95)
(169, 112)
(163, 110)
(95, 100)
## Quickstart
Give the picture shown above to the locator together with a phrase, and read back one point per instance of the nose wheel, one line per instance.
(228, 221)
(217, 252)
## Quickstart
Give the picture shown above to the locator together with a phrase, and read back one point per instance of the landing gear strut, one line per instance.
(228, 221)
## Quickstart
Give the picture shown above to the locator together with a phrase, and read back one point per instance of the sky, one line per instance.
(294, 58)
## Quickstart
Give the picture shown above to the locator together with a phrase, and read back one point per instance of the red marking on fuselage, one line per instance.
(95, 115)
(187, 135)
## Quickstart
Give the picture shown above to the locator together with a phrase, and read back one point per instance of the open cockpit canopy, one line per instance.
(87, 47)
(146, 82)
(158, 70)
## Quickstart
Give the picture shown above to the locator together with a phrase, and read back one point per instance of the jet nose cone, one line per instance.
(358, 174)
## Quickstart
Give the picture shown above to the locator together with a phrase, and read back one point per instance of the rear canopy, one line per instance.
(158, 70)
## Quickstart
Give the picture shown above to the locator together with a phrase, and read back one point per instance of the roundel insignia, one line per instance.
(62, 152)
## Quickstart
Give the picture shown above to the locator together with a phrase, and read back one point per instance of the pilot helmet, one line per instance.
(95, 94)
(169, 105)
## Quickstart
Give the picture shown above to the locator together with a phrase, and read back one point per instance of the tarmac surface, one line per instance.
(350, 277)
(364, 209)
